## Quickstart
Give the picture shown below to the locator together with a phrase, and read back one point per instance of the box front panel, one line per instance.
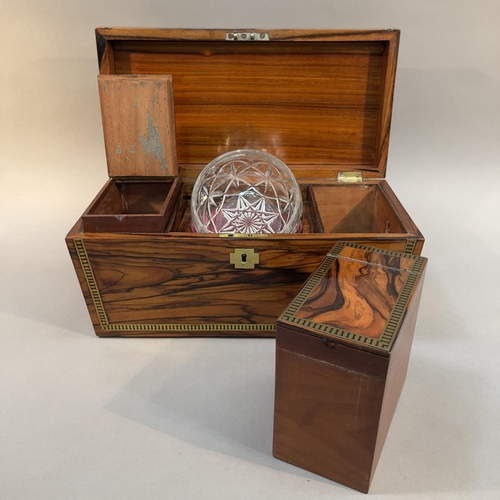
(327, 407)
(183, 286)
(189, 285)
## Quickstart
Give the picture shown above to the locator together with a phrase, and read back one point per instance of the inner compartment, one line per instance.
(327, 209)
(360, 208)
(132, 198)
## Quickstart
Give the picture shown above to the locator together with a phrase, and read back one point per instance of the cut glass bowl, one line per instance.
(246, 192)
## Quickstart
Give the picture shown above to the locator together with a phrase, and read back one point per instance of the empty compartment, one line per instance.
(133, 206)
(360, 208)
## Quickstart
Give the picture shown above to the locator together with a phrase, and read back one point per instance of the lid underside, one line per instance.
(138, 125)
(313, 103)
(358, 295)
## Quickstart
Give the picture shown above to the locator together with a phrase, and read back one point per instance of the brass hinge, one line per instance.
(350, 177)
(247, 37)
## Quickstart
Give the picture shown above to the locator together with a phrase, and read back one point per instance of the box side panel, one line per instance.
(327, 407)
(398, 367)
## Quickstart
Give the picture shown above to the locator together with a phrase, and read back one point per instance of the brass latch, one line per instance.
(244, 258)
(350, 177)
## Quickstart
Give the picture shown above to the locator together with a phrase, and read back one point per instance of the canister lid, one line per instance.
(358, 295)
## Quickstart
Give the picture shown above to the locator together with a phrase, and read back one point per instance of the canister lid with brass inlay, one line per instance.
(358, 296)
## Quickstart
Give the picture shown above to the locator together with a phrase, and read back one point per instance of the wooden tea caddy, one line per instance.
(342, 351)
(320, 101)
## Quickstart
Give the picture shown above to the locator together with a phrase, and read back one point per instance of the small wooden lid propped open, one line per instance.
(139, 125)
(358, 296)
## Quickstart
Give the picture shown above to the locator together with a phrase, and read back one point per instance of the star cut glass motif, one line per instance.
(246, 192)
(249, 218)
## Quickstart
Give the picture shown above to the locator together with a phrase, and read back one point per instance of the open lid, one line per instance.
(357, 296)
(320, 101)
(139, 125)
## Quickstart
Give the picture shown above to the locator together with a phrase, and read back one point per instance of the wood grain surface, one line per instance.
(323, 98)
(184, 278)
(358, 293)
(335, 400)
(356, 209)
(139, 125)
(150, 280)
(327, 407)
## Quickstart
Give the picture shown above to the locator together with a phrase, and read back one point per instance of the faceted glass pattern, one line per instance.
(246, 192)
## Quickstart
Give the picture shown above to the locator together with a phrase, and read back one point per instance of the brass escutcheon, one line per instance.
(244, 258)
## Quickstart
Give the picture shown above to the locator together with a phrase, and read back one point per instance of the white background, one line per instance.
(88, 418)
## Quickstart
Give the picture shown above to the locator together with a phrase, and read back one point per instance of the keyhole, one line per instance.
(244, 258)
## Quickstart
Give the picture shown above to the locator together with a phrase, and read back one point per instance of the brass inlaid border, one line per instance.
(195, 327)
(151, 327)
(398, 312)
(410, 246)
(383, 251)
(388, 336)
(91, 282)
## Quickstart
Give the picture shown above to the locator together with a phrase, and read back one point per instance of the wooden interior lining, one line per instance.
(307, 103)
(345, 209)
(145, 197)
(109, 201)
(222, 47)
(327, 208)
(356, 209)
(386, 219)
(132, 198)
